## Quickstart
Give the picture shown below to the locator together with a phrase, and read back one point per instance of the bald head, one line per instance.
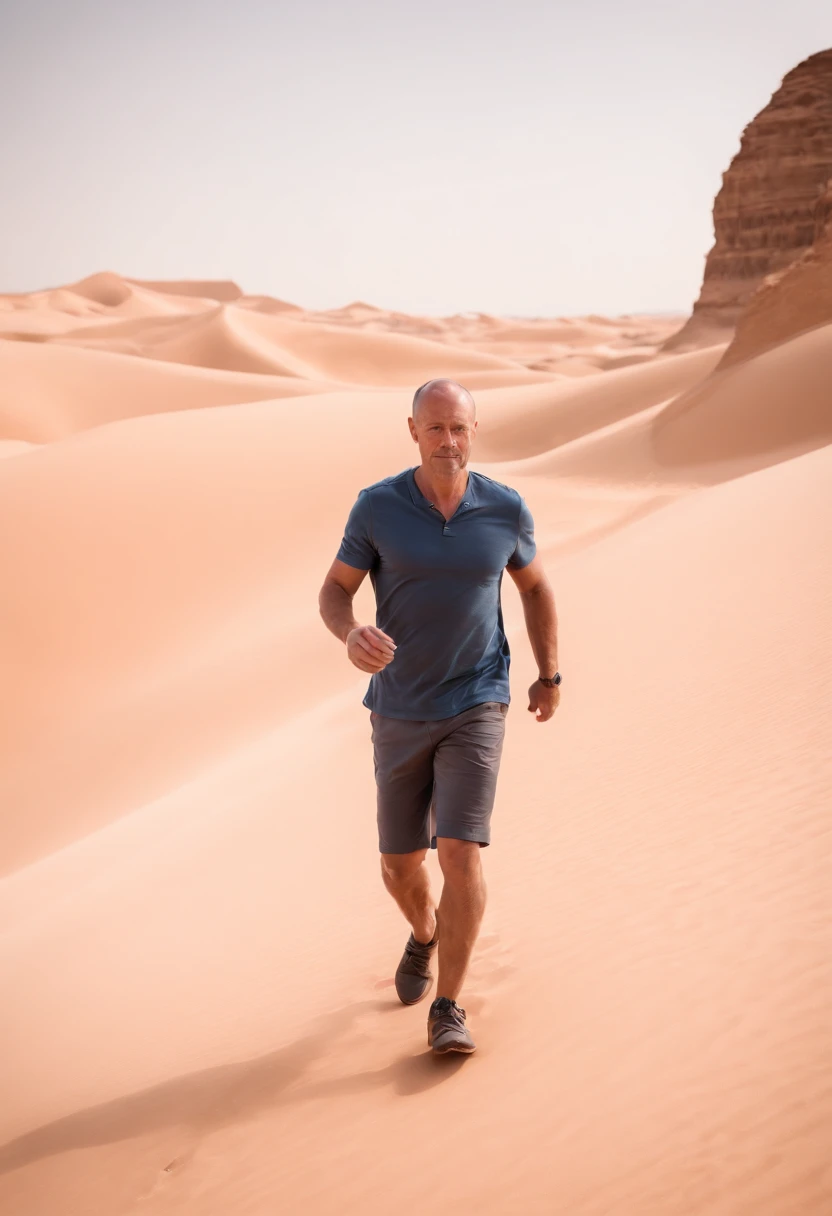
(444, 424)
(442, 393)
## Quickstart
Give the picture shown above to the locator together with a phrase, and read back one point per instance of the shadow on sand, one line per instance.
(214, 1098)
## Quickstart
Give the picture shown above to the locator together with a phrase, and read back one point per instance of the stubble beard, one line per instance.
(448, 466)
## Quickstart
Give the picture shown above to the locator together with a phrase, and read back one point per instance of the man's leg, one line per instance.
(466, 764)
(406, 877)
(403, 757)
(460, 911)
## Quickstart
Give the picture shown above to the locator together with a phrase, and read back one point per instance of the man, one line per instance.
(435, 541)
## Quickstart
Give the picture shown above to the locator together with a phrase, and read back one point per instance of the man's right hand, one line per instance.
(369, 649)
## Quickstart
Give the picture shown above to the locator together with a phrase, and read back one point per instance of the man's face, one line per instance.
(444, 429)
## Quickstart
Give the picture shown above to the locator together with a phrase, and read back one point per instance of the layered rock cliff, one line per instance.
(765, 214)
(792, 301)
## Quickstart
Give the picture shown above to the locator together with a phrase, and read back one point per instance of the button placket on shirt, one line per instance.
(446, 523)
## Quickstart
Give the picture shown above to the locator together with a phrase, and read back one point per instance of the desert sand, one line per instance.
(196, 951)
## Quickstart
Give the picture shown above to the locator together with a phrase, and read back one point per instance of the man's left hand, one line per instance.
(543, 700)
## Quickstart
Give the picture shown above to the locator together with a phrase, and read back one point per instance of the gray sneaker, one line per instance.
(414, 976)
(446, 1028)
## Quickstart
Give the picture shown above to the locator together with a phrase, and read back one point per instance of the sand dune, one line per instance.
(107, 289)
(191, 923)
(48, 392)
(267, 304)
(371, 359)
(221, 337)
(539, 417)
(741, 413)
(100, 298)
(134, 615)
(212, 324)
(234, 339)
(223, 291)
(124, 298)
(729, 424)
(723, 428)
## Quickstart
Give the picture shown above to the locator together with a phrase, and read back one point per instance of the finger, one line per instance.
(379, 633)
(368, 665)
(375, 646)
(373, 662)
(377, 661)
(364, 660)
(378, 636)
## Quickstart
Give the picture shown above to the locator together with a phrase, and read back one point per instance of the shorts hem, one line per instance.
(470, 837)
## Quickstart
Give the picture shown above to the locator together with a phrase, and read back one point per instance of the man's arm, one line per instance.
(367, 647)
(538, 602)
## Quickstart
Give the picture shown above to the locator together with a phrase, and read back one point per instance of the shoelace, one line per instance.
(454, 1012)
(419, 956)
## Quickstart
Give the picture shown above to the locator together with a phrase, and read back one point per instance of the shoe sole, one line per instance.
(463, 1048)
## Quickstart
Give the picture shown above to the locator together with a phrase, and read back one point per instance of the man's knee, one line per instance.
(399, 867)
(458, 859)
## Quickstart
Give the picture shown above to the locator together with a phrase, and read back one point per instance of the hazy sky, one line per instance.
(529, 157)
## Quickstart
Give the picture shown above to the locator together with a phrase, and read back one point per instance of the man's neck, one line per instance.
(442, 491)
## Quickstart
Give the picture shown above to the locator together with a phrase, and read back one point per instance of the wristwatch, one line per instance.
(556, 679)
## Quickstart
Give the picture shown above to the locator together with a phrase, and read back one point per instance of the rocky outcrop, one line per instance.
(796, 299)
(765, 214)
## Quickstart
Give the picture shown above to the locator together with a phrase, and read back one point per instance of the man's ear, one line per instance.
(412, 428)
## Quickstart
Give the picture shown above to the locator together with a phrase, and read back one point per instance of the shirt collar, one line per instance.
(470, 499)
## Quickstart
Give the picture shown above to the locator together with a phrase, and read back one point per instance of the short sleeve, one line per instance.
(525, 548)
(357, 548)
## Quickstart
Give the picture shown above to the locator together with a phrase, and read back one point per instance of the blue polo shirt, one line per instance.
(437, 587)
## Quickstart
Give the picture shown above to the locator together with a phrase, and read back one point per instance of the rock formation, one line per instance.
(792, 301)
(765, 212)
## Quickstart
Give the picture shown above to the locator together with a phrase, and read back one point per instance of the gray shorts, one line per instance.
(437, 778)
